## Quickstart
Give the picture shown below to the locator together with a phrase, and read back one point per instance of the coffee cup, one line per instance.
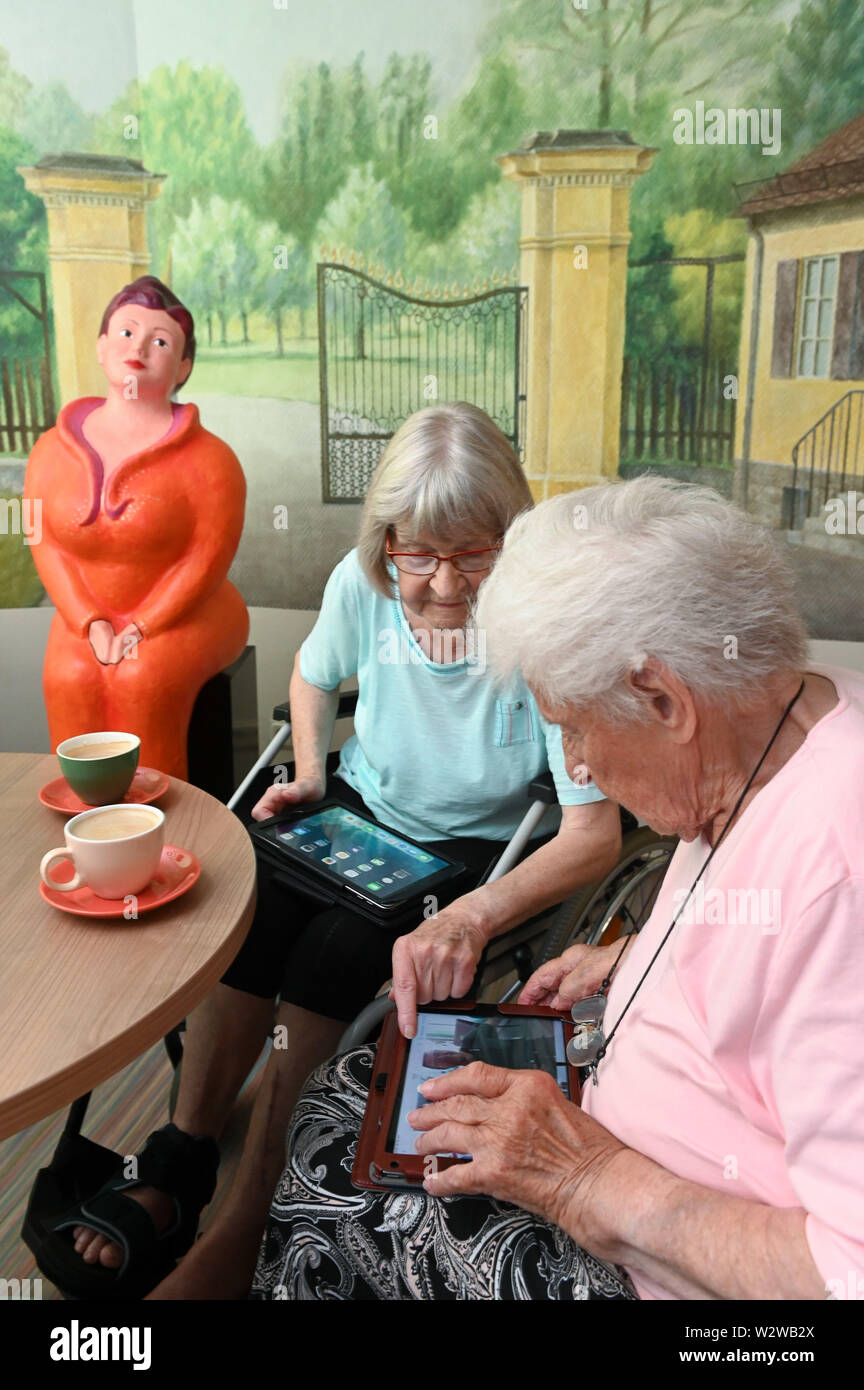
(115, 850)
(99, 767)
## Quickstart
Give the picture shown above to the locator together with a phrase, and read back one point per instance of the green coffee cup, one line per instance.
(99, 767)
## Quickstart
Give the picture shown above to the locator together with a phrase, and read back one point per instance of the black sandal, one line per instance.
(91, 1178)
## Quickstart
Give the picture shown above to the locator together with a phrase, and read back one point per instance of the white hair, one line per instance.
(590, 584)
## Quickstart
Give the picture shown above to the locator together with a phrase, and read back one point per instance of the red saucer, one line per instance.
(147, 785)
(178, 870)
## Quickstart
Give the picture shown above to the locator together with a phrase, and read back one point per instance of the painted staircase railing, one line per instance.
(829, 459)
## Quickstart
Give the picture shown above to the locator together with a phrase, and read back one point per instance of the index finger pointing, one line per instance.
(404, 991)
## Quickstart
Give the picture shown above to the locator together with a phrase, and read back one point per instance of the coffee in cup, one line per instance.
(99, 767)
(115, 850)
(101, 750)
(116, 825)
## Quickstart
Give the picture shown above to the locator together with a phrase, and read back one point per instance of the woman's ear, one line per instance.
(648, 681)
(667, 697)
(184, 375)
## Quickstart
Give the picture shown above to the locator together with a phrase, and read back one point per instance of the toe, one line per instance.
(91, 1254)
(84, 1238)
(111, 1256)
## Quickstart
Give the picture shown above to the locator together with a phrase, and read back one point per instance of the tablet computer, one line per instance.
(353, 859)
(448, 1035)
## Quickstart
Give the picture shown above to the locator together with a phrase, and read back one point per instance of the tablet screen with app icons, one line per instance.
(352, 851)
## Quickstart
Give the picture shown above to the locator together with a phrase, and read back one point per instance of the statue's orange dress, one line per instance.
(152, 545)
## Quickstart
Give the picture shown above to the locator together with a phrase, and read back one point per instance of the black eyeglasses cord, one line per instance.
(601, 1053)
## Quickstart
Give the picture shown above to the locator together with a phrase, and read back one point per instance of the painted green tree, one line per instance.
(819, 70)
(453, 155)
(23, 245)
(309, 161)
(189, 123)
(53, 121)
(15, 91)
(609, 59)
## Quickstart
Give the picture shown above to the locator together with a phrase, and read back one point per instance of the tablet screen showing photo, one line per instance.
(445, 1041)
(356, 853)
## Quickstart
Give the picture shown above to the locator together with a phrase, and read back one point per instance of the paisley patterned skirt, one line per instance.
(329, 1240)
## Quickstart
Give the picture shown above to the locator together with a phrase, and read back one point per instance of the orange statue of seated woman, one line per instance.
(142, 511)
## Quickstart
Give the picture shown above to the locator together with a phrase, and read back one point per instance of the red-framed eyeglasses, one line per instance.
(466, 561)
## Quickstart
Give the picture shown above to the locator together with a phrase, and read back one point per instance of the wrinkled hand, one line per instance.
(100, 635)
(435, 961)
(580, 971)
(285, 794)
(529, 1145)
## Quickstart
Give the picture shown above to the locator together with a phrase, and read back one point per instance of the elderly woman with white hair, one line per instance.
(716, 1152)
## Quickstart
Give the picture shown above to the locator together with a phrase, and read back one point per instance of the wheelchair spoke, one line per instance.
(621, 903)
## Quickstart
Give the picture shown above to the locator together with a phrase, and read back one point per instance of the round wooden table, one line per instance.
(80, 997)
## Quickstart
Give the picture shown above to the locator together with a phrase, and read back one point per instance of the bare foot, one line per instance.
(92, 1246)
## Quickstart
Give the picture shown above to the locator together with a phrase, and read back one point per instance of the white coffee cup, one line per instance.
(115, 850)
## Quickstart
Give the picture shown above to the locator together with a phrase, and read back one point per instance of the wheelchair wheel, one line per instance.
(621, 903)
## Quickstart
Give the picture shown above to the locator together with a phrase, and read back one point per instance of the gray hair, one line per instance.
(448, 470)
(591, 584)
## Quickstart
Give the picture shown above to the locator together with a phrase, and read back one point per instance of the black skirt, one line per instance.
(328, 1240)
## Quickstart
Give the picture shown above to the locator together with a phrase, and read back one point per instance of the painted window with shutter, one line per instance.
(785, 298)
(819, 318)
(816, 316)
(847, 358)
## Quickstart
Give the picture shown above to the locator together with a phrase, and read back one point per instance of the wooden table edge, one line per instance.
(28, 1107)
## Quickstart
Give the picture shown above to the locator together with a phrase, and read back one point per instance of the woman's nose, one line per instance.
(447, 581)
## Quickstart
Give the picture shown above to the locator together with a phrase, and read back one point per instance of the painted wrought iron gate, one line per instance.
(385, 352)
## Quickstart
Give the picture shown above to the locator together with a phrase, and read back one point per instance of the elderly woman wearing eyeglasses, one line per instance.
(440, 754)
(718, 1155)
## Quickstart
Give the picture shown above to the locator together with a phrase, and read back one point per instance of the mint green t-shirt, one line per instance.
(439, 752)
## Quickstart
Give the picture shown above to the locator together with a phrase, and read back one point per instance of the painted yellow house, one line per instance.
(801, 369)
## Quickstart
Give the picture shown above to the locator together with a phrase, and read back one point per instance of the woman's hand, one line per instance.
(283, 794)
(580, 971)
(435, 961)
(528, 1144)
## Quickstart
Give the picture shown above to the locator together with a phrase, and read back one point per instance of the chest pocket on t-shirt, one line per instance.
(513, 723)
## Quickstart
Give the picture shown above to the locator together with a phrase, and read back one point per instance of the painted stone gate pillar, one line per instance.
(97, 243)
(575, 233)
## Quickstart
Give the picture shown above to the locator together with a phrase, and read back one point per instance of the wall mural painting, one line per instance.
(338, 202)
